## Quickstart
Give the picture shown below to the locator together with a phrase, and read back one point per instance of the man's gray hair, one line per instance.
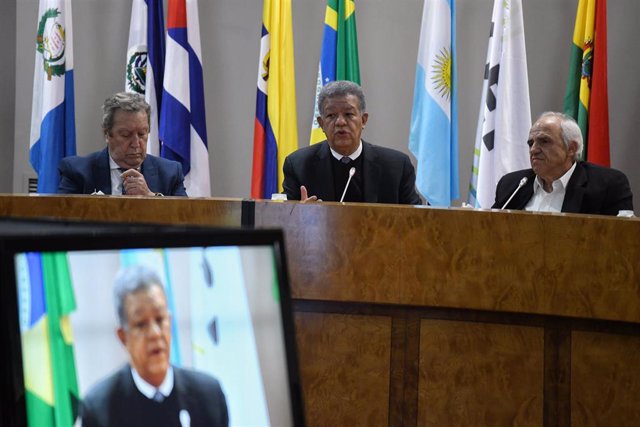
(125, 101)
(570, 130)
(131, 280)
(338, 89)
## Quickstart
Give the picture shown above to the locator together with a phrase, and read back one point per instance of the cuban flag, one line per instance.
(53, 133)
(183, 129)
(433, 138)
(145, 61)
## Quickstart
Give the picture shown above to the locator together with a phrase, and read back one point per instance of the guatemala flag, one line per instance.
(183, 129)
(145, 61)
(53, 133)
(433, 138)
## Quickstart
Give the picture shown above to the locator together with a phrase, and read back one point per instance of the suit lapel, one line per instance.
(575, 190)
(323, 174)
(103, 173)
(371, 173)
(150, 173)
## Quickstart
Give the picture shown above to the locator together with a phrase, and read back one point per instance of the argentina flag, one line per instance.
(433, 138)
(183, 129)
(53, 133)
(145, 61)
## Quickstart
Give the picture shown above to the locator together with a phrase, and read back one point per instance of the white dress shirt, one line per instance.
(541, 201)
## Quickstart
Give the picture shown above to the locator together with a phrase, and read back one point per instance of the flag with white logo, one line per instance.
(53, 133)
(183, 129)
(433, 138)
(505, 114)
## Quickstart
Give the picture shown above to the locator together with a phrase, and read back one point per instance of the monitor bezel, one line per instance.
(114, 237)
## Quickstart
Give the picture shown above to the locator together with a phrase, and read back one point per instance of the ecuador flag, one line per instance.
(275, 128)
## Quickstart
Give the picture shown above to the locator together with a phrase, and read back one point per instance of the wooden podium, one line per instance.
(412, 316)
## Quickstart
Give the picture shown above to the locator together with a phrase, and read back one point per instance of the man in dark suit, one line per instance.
(557, 181)
(321, 171)
(149, 391)
(123, 167)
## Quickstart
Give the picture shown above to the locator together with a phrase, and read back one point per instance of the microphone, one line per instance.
(352, 172)
(523, 181)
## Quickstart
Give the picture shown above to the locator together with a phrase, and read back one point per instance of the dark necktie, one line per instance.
(345, 160)
(158, 397)
(123, 170)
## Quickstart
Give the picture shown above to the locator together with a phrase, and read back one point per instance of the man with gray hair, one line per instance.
(557, 180)
(148, 390)
(344, 165)
(123, 167)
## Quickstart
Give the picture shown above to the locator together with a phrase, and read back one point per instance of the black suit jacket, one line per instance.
(592, 189)
(85, 175)
(108, 402)
(389, 176)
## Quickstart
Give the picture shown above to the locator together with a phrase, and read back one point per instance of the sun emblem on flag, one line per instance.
(50, 43)
(441, 73)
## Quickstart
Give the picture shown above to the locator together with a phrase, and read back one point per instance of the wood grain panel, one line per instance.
(153, 210)
(344, 366)
(605, 379)
(480, 374)
(485, 260)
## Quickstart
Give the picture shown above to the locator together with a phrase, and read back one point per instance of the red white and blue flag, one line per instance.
(183, 129)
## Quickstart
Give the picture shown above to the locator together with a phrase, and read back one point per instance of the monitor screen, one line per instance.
(179, 328)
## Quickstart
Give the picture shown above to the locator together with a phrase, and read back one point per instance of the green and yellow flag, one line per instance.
(586, 97)
(47, 300)
(339, 53)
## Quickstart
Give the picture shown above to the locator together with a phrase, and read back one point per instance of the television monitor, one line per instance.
(230, 319)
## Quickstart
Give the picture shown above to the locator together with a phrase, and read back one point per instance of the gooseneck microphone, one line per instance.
(352, 172)
(523, 181)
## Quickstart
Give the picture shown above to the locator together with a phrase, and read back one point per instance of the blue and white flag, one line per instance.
(53, 133)
(505, 114)
(145, 61)
(183, 129)
(433, 138)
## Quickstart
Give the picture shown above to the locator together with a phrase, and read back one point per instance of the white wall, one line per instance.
(388, 40)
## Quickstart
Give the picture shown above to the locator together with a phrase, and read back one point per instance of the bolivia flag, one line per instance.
(586, 98)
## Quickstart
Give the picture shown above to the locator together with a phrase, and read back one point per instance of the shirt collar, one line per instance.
(560, 183)
(114, 166)
(352, 156)
(150, 391)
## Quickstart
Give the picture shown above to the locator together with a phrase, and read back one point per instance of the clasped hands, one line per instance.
(134, 184)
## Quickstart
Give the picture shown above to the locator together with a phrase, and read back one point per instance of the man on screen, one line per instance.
(322, 171)
(558, 181)
(149, 391)
(123, 166)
